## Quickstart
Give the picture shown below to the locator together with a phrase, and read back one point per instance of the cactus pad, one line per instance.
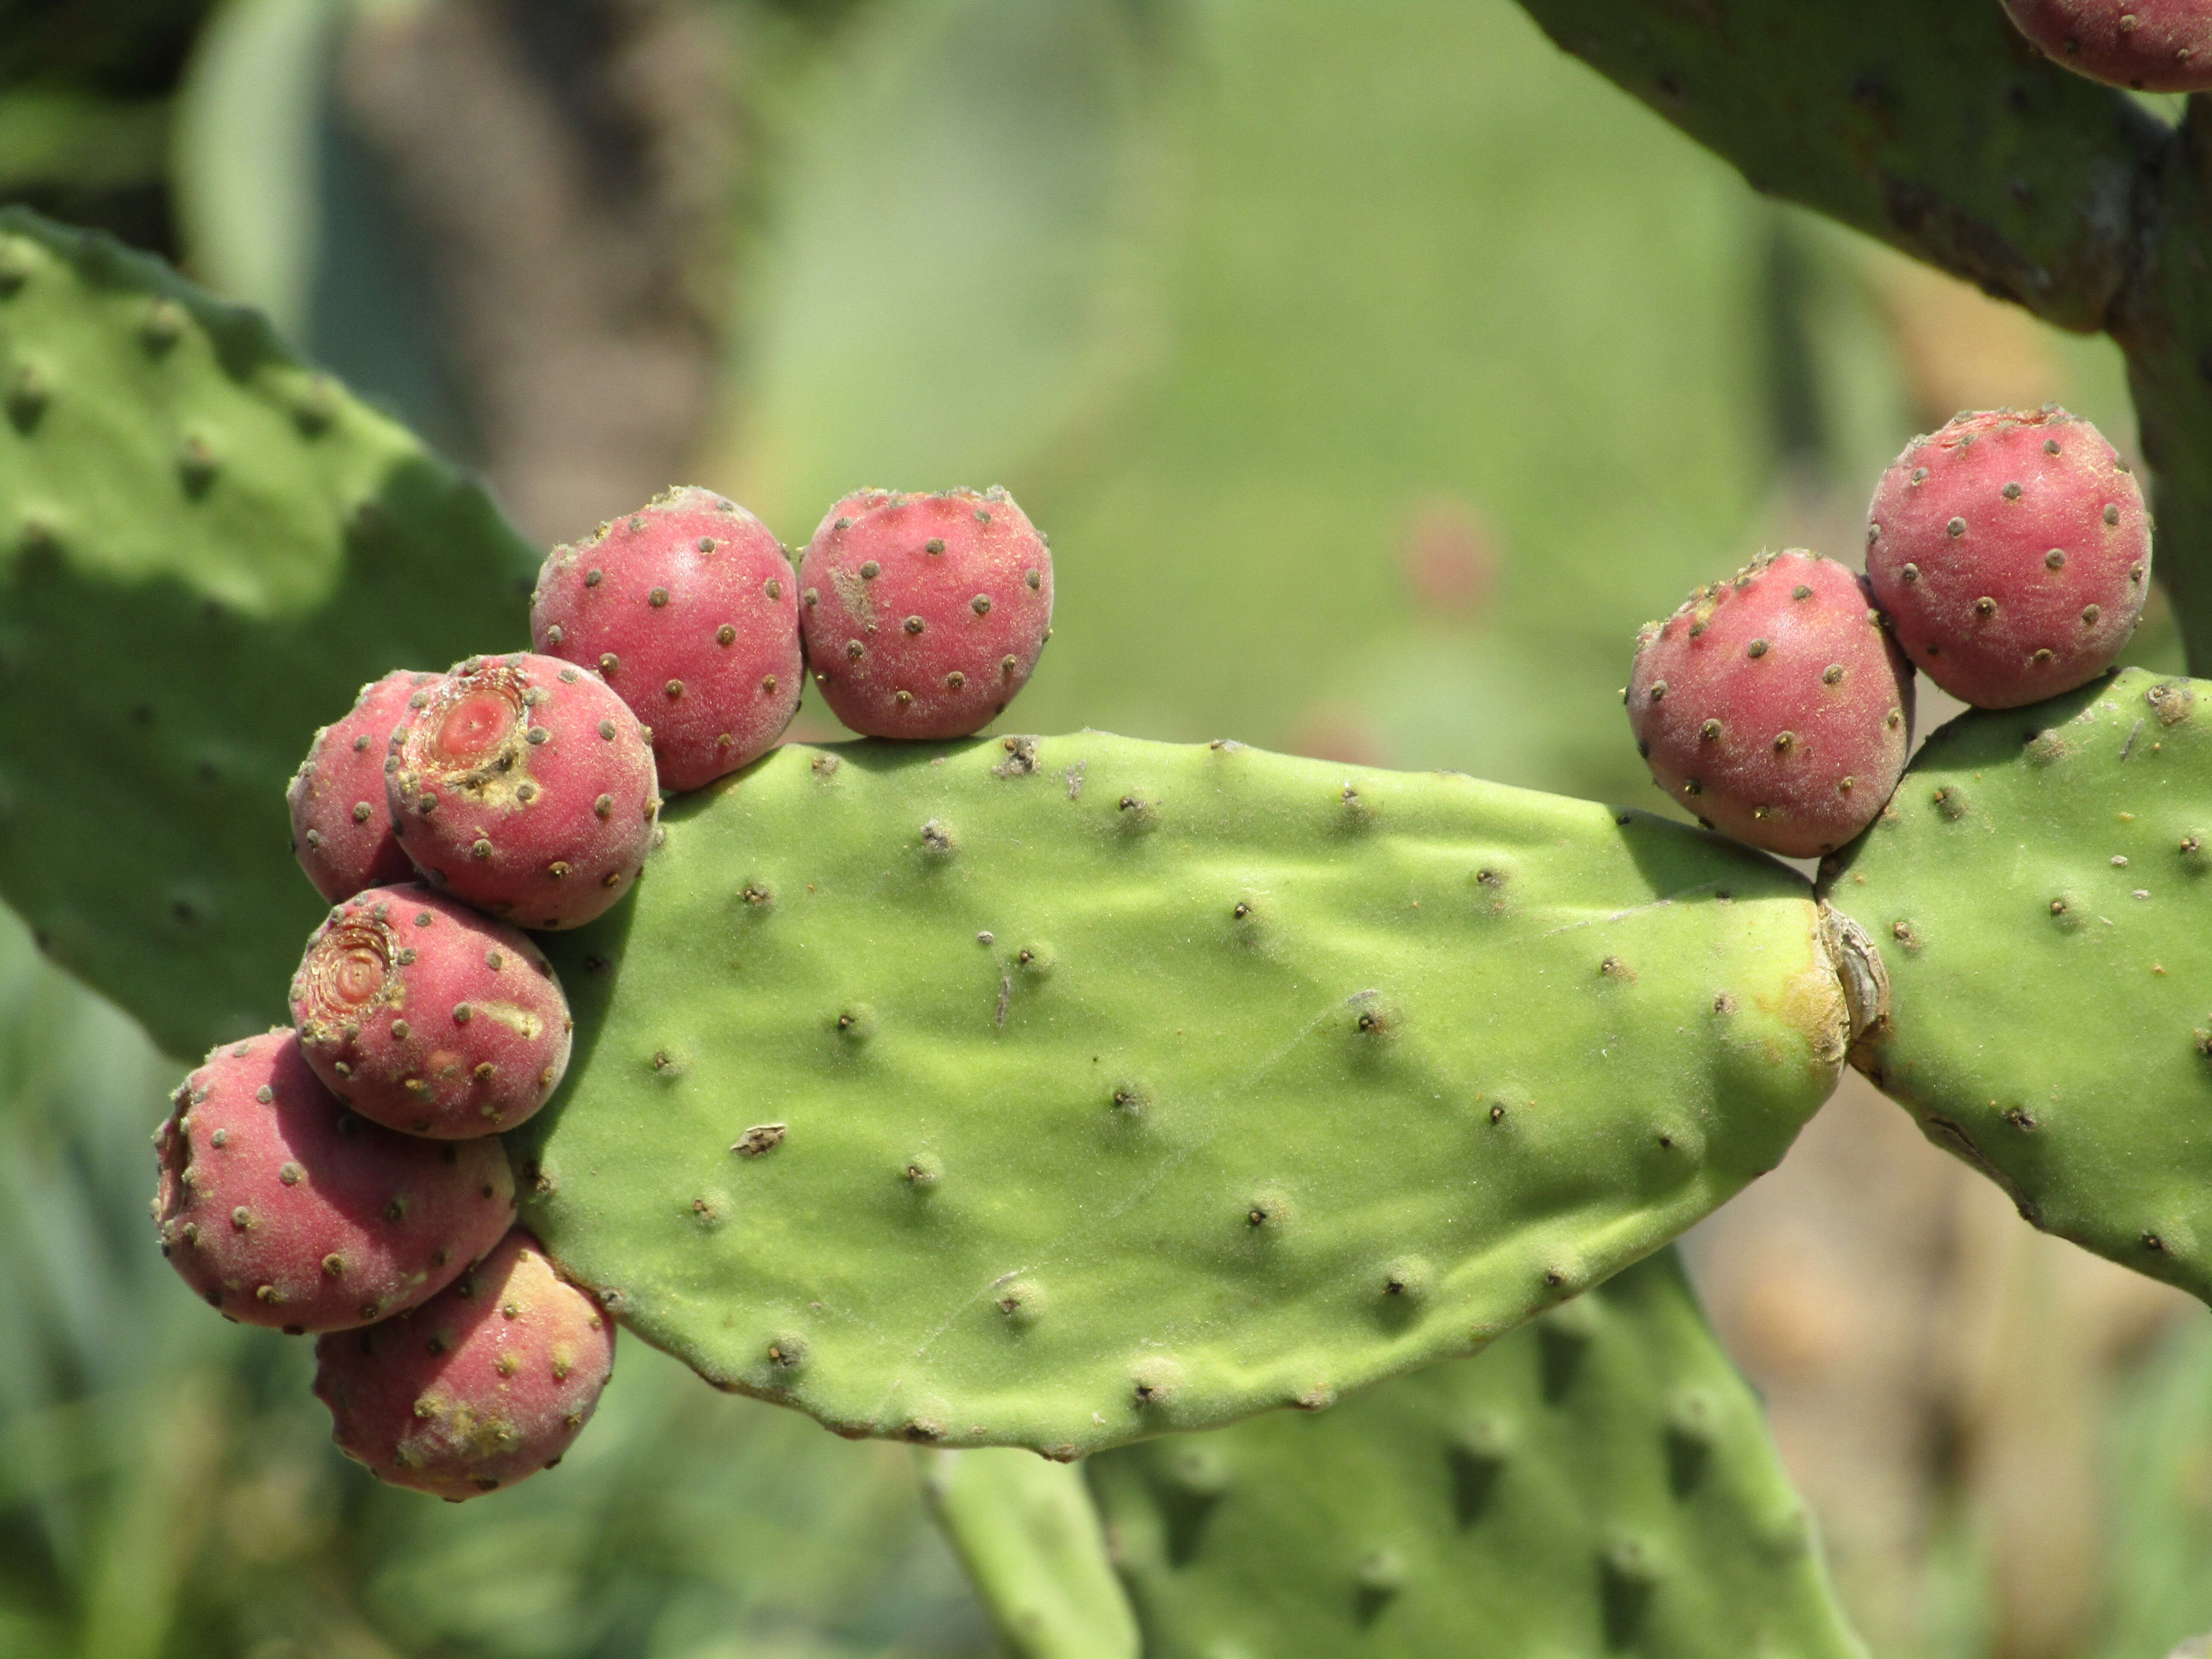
(1028, 1534)
(206, 549)
(1062, 1092)
(1602, 1482)
(2039, 889)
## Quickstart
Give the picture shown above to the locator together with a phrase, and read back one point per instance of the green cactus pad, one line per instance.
(206, 549)
(1600, 1482)
(1029, 1535)
(2038, 889)
(1058, 1092)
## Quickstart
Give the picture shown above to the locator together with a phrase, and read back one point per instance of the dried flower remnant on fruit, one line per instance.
(514, 752)
(487, 1066)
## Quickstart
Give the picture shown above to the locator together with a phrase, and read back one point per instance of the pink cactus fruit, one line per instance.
(523, 785)
(924, 615)
(2012, 552)
(689, 609)
(1775, 706)
(281, 1207)
(483, 1386)
(2151, 45)
(341, 829)
(428, 1017)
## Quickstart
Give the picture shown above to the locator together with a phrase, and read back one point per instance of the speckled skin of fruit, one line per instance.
(1775, 706)
(688, 610)
(341, 827)
(923, 615)
(2151, 45)
(2011, 554)
(426, 1017)
(523, 785)
(282, 1207)
(487, 1383)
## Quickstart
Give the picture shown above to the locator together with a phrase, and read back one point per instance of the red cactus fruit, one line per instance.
(341, 827)
(481, 1386)
(281, 1207)
(2152, 46)
(1775, 706)
(923, 615)
(425, 1016)
(2012, 553)
(689, 609)
(523, 785)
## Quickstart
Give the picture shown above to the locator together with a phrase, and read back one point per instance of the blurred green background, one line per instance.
(1375, 369)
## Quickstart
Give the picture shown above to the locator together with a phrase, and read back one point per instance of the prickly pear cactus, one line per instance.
(1028, 1534)
(1062, 1092)
(1600, 1482)
(2038, 889)
(206, 549)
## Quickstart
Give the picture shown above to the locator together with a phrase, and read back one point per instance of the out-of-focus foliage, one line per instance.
(167, 1485)
(126, 48)
(2161, 1521)
(1375, 369)
(84, 108)
(248, 153)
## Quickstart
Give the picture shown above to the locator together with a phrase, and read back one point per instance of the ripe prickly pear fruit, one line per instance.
(483, 1386)
(523, 785)
(689, 609)
(1775, 706)
(428, 1017)
(341, 827)
(923, 615)
(2012, 553)
(2151, 45)
(282, 1207)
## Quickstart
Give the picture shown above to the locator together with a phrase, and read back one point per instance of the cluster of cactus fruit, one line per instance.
(2008, 559)
(344, 1177)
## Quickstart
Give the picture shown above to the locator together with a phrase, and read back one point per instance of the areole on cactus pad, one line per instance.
(1060, 1091)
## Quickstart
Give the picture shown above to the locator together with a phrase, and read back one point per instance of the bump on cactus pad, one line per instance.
(1060, 1091)
(206, 549)
(1600, 1482)
(2040, 889)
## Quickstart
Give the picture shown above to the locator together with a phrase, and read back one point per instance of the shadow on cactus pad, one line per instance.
(206, 549)
(1600, 1482)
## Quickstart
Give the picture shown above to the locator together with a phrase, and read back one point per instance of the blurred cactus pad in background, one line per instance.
(1376, 371)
